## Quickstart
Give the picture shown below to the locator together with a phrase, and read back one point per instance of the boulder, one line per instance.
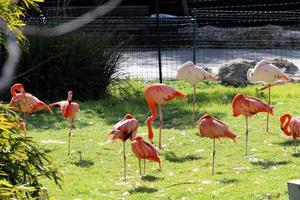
(234, 72)
(285, 66)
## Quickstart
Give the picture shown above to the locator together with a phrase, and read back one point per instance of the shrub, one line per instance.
(21, 161)
(84, 63)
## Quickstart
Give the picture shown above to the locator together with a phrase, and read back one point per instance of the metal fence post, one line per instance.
(194, 34)
(158, 40)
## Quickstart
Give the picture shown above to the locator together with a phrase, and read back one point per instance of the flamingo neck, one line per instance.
(285, 126)
(149, 121)
(14, 89)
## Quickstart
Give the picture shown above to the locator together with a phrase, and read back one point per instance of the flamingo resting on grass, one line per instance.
(144, 151)
(159, 93)
(214, 128)
(265, 71)
(193, 74)
(123, 130)
(248, 106)
(291, 127)
(25, 102)
(68, 110)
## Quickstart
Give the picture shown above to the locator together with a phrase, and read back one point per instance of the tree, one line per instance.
(21, 161)
(11, 15)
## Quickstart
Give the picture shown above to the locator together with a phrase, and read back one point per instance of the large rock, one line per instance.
(285, 65)
(234, 72)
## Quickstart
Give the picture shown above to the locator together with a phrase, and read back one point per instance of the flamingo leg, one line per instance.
(124, 156)
(269, 102)
(213, 161)
(140, 167)
(246, 146)
(144, 166)
(161, 122)
(194, 101)
(25, 121)
(295, 147)
(69, 142)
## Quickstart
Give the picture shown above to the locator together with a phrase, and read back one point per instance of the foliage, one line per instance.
(186, 157)
(21, 162)
(12, 12)
(84, 63)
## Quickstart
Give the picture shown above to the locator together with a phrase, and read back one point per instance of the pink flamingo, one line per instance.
(248, 106)
(265, 71)
(125, 129)
(144, 150)
(159, 93)
(291, 127)
(214, 128)
(194, 74)
(68, 110)
(25, 102)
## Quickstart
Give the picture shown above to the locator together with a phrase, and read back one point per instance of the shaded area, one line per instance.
(82, 162)
(296, 155)
(229, 180)
(150, 178)
(171, 157)
(266, 164)
(289, 143)
(143, 189)
(184, 183)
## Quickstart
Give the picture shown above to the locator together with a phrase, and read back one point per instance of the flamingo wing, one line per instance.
(295, 127)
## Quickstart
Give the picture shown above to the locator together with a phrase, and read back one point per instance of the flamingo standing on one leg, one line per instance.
(159, 93)
(124, 129)
(144, 150)
(265, 71)
(248, 106)
(291, 127)
(25, 102)
(193, 74)
(68, 109)
(214, 128)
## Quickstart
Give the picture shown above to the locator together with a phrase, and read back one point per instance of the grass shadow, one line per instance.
(143, 189)
(150, 178)
(229, 180)
(171, 157)
(266, 164)
(288, 143)
(296, 155)
(84, 163)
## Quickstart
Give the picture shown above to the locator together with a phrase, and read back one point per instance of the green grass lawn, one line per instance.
(186, 157)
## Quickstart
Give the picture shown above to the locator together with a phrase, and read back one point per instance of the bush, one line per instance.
(81, 62)
(21, 162)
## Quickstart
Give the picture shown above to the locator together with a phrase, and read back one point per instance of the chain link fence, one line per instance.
(209, 37)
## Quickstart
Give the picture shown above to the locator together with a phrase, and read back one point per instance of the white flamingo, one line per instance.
(264, 71)
(193, 74)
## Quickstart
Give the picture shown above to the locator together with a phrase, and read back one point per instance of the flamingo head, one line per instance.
(129, 116)
(250, 74)
(70, 95)
(17, 87)
(284, 120)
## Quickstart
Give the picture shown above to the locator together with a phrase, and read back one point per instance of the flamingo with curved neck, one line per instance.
(25, 102)
(291, 127)
(159, 93)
